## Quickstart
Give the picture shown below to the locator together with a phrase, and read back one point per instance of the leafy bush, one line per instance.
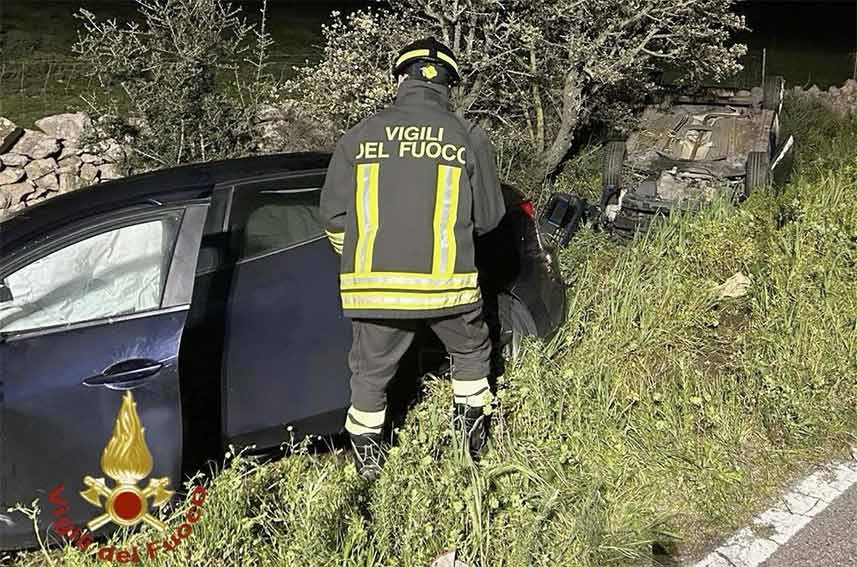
(354, 79)
(537, 72)
(183, 84)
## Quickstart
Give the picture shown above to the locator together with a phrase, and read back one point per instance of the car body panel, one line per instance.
(515, 261)
(688, 150)
(694, 152)
(58, 401)
(700, 133)
(55, 428)
(293, 334)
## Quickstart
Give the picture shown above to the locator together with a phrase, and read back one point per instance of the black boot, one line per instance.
(369, 454)
(472, 423)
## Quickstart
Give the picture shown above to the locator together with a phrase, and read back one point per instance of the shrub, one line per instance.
(539, 71)
(183, 84)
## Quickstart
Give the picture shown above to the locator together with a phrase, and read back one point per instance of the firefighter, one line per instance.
(406, 192)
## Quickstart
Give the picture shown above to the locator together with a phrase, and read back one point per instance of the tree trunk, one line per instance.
(572, 106)
(469, 98)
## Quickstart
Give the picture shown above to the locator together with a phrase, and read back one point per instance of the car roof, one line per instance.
(183, 182)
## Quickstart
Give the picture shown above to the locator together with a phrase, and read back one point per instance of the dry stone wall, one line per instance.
(52, 159)
(842, 99)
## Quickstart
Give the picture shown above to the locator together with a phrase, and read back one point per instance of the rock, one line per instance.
(70, 165)
(17, 192)
(35, 198)
(69, 182)
(91, 158)
(110, 171)
(37, 145)
(269, 136)
(99, 147)
(88, 173)
(798, 89)
(833, 91)
(6, 126)
(733, 288)
(69, 150)
(10, 133)
(14, 160)
(38, 168)
(448, 559)
(68, 126)
(814, 90)
(11, 175)
(47, 183)
(115, 152)
(850, 86)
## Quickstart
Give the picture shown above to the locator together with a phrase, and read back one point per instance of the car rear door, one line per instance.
(286, 340)
(90, 321)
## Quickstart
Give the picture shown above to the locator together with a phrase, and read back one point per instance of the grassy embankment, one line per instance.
(660, 414)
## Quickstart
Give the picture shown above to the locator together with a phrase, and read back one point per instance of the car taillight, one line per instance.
(528, 208)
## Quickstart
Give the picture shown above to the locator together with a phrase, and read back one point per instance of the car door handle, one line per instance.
(125, 375)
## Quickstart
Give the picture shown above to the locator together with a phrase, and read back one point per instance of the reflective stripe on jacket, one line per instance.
(405, 193)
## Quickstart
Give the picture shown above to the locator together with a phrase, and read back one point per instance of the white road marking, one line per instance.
(752, 546)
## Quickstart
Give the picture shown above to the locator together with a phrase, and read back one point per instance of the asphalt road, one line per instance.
(829, 540)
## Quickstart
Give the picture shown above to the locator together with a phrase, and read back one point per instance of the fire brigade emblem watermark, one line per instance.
(127, 460)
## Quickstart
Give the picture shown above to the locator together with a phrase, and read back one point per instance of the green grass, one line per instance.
(659, 414)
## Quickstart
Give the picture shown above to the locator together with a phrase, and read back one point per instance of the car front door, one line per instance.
(287, 342)
(90, 323)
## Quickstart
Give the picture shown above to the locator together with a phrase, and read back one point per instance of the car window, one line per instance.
(117, 272)
(267, 217)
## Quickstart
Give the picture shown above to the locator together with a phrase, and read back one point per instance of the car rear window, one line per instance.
(271, 216)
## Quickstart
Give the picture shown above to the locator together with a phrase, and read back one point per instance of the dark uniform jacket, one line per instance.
(405, 193)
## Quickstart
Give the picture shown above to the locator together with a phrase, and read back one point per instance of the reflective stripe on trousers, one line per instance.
(364, 422)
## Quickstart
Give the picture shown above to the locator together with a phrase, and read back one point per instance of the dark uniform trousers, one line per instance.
(379, 344)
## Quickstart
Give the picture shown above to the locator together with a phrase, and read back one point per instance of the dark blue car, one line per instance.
(210, 293)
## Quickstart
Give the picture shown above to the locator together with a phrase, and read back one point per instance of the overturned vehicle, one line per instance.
(688, 150)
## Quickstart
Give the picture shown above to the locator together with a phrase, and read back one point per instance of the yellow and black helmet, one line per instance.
(428, 50)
